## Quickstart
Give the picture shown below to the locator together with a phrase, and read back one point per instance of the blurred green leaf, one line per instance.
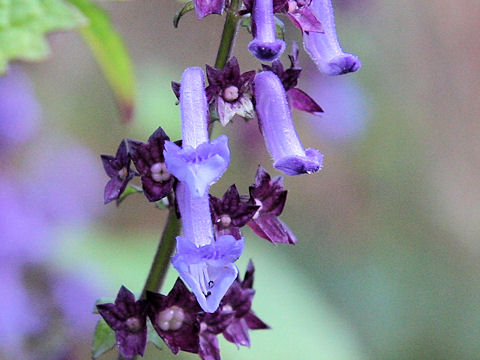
(246, 22)
(23, 24)
(111, 54)
(186, 8)
(103, 339)
(153, 336)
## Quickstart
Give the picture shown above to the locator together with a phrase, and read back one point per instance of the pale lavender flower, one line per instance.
(205, 264)
(278, 130)
(324, 49)
(198, 162)
(19, 110)
(265, 46)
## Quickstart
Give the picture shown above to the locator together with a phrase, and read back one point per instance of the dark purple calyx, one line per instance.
(148, 158)
(118, 170)
(270, 196)
(229, 214)
(127, 318)
(173, 317)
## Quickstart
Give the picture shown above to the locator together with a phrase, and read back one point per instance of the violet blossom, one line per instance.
(203, 262)
(302, 16)
(324, 48)
(265, 46)
(278, 130)
(127, 318)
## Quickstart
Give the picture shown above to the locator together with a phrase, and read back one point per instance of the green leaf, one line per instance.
(246, 22)
(186, 8)
(153, 336)
(130, 189)
(103, 339)
(111, 54)
(23, 24)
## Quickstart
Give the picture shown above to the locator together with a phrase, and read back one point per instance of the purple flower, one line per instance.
(148, 158)
(19, 109)
(174, 317)
(205, 264)
(278, 131)
(270, 195)
(265, 46)
(229, 214)
(118, 169)
(207, 7)
(302, 16)
(127, 318)
(208, 269)
(199, 162)
(289, 78)
(324, 49)
(231, 91)
(199, 167)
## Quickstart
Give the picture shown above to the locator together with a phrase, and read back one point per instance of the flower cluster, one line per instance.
(180, 322)
(209, 298)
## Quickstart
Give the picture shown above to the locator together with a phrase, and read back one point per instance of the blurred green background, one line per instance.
(387, 263)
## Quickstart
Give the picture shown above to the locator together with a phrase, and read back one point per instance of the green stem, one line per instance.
(161, 261)
(228, 35)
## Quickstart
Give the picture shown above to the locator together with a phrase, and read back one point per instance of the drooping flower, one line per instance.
(324, 48)
(118, 169)
(265, 46)
(127, 318)
(203, 262)
(148, 158)
(231, 91)
(207, 7)
(229, 214)
(289, 78)
(278, 130)
(173, 317)
(270, 195)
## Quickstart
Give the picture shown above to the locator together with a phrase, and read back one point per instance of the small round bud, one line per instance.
(224, 221)
(134, 325)
(230, 93)
(159, 172)
(171, 319)
(122, 173)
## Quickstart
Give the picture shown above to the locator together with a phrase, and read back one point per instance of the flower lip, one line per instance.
(297, 165)
(267, 51)
(343, 64)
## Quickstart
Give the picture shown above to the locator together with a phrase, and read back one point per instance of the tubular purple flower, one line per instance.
(278, 131)
(198, 162)
(265, 46)
(324, 49)
(203, 262)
